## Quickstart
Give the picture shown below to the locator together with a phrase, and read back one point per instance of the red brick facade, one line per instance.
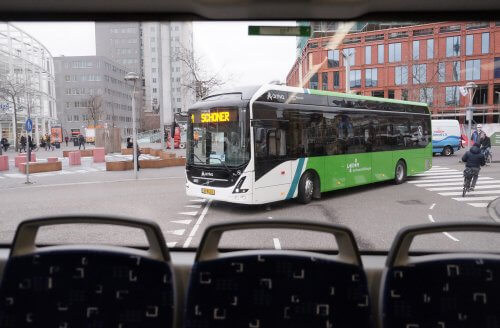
(314, 57)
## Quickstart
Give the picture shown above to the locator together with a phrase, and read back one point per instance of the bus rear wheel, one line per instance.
(306, 188)
(400, 172)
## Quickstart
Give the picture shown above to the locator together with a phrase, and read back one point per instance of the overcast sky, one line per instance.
(225, 47)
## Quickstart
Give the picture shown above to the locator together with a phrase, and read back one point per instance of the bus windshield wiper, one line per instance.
(222, 162)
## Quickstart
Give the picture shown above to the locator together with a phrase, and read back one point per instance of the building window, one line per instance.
(333, 58)
(473, 69)
(440, 72)
(419, 74)
(497, 67)
(153, 60)
(324, 81)
(69, 118)
(394, 52)
(452, 96)
(430, 48)
(390, 94)
(469, 44)
(426, 95)
(452, 46)
(355, 78)
(336, 79)
(368, 55)
(67, 104)
(351, 54)
(313, 82)
(154, 79)
(178, 99)
(371, 77)
(153, 70)
(67, 78)
(76, 118)
(401, 75)
(380, 53)
(416, 50)
(154, 90)
(455, 71)
(485, 43)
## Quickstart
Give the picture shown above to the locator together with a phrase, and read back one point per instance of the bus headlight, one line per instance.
(237, 189)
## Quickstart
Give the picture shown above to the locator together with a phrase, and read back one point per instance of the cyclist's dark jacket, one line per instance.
(486, 142)
(474, 158)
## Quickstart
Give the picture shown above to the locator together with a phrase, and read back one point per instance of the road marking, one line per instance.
(450, 236)
(178, 232)
(432, 206)
(444, 233)
(480, 192)
(182, 221)
(91, 182)
(458, 178)
(198, 200)
(197, 224)
(457, 183)
(171, 244)
(450, 172)
(478, 204)
(14, 175)
(468, 199)
(270, 217)
(188, 213)
(461, 187)
(193, 206)
(277, 244)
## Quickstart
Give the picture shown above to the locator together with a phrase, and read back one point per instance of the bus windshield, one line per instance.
(218, 136)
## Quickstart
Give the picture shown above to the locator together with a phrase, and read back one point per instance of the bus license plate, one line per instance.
(207, 191)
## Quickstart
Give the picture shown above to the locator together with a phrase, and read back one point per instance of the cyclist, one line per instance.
(474, 159)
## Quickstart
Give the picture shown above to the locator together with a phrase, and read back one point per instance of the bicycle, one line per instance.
(488, 156)
(468, 175)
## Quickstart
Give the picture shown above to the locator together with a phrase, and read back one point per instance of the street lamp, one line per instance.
(469, 89)
(133, 77)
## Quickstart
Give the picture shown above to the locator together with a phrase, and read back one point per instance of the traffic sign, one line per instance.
(29, 125)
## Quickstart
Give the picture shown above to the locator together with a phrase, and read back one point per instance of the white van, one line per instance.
(446, 136)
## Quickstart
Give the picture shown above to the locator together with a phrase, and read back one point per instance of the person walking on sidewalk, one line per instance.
(66, 139)
(130, 144)
(81, 142)
(23, 144)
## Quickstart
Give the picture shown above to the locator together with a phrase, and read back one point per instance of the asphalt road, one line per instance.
(375, 212)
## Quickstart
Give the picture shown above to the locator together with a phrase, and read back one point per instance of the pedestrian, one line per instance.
(23, 144)
(130, 144)
(476, 135)
(66, 139)
(474, 159)
(30, 143)
(485, 143)
(48, 144)
(81, 141)
(5, 144)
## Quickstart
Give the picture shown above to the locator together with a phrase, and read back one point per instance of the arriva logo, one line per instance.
(353, 166)
(206, 174)
(275, 96)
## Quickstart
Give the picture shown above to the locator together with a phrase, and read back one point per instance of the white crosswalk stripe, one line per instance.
(449, 183)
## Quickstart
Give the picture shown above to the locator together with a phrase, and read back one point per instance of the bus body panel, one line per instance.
(383, 166)
(274, 184)
(334, 177)
(358, 169)
(445, 133)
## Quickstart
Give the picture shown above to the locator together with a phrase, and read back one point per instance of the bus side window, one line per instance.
(260, 142)
(276, 142)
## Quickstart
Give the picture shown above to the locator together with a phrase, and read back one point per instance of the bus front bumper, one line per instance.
(218, 193)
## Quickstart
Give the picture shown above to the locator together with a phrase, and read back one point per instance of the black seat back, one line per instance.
(277, 288)
(445, 290)
(85, 286)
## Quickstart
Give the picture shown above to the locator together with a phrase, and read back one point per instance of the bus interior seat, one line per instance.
(440, 290)
(268, 288)
(104, 286)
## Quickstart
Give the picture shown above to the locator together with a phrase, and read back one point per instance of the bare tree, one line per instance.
(94, 109)
(17, 90)
(198, 78)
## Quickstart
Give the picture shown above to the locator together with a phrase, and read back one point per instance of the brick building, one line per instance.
(421, 62)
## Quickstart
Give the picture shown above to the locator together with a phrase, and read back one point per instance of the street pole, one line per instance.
(28, 158)
(162, 128)
(134, 77)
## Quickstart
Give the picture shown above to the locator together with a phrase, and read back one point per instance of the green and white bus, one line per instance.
(264, 144)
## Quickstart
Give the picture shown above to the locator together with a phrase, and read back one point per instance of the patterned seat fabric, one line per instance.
(443, 294)
(66, 289)
(277, 291)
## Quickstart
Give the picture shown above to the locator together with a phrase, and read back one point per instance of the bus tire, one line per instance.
(306, 188)
(400, 172)
(447, 151)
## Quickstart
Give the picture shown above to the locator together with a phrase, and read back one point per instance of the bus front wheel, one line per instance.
(306, 188)
(400, 172)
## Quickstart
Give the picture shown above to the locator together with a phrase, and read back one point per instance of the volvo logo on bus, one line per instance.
(206, 174)
(275, 97)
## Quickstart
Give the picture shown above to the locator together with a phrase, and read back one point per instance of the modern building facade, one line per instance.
(420, 62)
(164, 77)
(91, 92)
(26, 64)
